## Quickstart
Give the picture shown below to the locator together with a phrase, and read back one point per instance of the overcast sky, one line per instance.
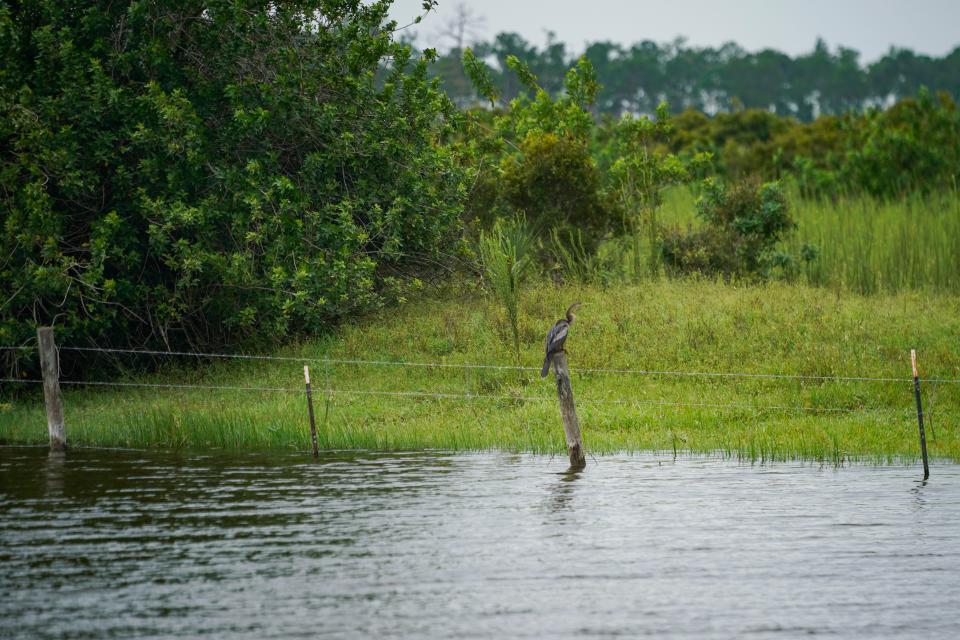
(791, 26)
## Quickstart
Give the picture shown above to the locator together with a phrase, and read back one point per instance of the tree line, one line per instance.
(637, 78)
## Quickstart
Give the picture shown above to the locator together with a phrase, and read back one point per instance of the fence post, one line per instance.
(568, 411)
(52, 398)
(313, 424)
(916, 394)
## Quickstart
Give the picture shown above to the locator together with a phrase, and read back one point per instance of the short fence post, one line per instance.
(568, 411)
(52, 398)
(916, 394)
(313, 424)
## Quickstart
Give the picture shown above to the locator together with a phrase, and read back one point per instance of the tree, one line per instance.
(638, 78)
(186, 173)
(463, 28)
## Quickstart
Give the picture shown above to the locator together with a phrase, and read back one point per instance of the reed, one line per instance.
(871, 246)
(866, 245)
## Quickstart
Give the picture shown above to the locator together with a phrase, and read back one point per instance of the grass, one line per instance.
(866, 245)
(688, 325)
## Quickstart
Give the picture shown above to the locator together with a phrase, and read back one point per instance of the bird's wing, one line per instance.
(550, 335)
(557, 334)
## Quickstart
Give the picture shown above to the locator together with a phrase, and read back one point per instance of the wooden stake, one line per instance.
(568, 411)
(52, 398)
(313, 424)
(916, 394)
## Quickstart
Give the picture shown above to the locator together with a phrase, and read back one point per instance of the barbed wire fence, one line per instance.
(328, 389)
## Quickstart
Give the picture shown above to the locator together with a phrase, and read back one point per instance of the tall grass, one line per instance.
(871, 246)
(575, 259)
(865, 245)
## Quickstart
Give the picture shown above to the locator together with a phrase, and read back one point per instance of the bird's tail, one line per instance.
(546, 365)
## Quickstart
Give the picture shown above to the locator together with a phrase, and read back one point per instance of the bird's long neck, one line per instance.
(570, 316)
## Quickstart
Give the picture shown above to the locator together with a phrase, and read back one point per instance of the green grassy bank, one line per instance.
(693, 325)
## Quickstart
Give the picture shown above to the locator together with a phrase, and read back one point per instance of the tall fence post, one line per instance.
(313, 424)
(568, 411)
(916, 394)
(52, 398)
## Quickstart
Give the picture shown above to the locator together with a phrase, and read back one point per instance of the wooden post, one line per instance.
(313, 424)
(568, 411)
(52, 398)
(916, 394)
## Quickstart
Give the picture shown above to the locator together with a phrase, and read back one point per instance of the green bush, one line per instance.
(912, 147)
(555, 183)
(744, 224)
(745, 143)
(174, 174)
(640, 171)
(534, 159)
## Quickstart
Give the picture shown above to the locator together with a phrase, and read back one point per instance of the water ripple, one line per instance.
(423, 545)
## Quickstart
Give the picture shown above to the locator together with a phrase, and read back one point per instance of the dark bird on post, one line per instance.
(557, 336)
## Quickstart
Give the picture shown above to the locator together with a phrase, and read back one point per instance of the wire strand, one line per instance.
(402, 363)
(149, 385)
(464, 396)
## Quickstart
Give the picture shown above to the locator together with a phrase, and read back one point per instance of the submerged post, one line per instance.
(52, 398)
(916, 394)
(313, 424)
(568, 411)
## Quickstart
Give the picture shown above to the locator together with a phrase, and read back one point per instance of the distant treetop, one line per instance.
(638, 77)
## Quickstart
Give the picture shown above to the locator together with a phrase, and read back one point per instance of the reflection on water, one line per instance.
(53, 472)
(561, 495)
(423, 545)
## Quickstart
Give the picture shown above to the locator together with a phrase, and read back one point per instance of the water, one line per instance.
(430, 545)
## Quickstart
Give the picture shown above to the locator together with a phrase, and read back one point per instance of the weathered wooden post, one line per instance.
(52, 398)
(313, 424)
(916, 394)
(568, 411)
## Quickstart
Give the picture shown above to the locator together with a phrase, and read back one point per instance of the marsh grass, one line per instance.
(675, 325)
(865, 245)
(872, 246)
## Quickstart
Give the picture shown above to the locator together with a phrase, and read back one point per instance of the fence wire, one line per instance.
(466, 366)
(464, 396)
(447, 365)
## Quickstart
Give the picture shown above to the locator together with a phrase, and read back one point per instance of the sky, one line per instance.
(791, 26)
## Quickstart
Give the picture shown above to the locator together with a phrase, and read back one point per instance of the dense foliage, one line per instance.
(744, 224)
(197, 174)
(533, 158)
(910, 147)
(637, 78)
(189, 173)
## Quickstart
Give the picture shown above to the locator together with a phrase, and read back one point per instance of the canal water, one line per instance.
(102, 544)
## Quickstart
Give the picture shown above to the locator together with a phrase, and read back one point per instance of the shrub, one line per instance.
(542, 166)
(744, 224)
(911, 147)
(507, 255)
(554, 182)
(642, 169)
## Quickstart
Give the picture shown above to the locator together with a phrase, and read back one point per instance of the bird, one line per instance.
(557, 336)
